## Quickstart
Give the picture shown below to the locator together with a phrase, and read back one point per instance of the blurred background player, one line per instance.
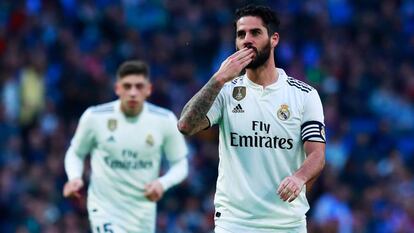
(126, 139)
(272, 140)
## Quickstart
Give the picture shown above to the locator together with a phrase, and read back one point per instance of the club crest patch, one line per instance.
(283, 113)
(112, 124)
(239, 93)
(149, 140)
(323, 132)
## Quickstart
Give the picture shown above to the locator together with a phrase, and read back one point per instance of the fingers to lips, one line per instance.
(234, 64)
(237, 53)
(242, 53)
(252, 47)
(241, 60)
(246, 57)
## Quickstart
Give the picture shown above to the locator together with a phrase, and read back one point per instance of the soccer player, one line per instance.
(272, 141)
(126, 139)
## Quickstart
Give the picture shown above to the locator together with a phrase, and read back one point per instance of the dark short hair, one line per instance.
(136, 67)
(269, 17)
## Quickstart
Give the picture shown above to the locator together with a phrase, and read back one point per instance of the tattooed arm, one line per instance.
(193, 117)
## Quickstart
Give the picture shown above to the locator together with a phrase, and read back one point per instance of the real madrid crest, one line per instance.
(323, 132)
(112, 124)
(149, 140)
(239, 93)
(283, 113)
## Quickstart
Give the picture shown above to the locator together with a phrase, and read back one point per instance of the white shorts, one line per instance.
(301, 229)
(218, 229)
(102, 223)
(112, 220)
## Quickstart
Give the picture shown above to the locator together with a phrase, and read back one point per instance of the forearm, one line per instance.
(177, 173)
(73, 165)
(312, 166)
(196, 109)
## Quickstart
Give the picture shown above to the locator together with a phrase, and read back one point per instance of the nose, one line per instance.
(248, 44)
(133, 92)
(248, 40)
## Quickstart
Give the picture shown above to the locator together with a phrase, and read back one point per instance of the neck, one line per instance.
(131, 112)
(264, 75)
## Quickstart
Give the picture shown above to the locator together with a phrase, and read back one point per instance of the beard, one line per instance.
(261, 57)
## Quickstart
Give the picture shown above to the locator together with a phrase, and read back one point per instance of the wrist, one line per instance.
(77, 180)
(301, 178)
(219, 79)
(75, 177)
(164, 183)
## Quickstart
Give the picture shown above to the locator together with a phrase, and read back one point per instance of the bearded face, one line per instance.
(261, 57)
(252, 33)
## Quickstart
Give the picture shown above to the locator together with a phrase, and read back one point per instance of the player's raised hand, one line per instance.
(154, 191)
(72, 188)
(290, 187)
(234, 64)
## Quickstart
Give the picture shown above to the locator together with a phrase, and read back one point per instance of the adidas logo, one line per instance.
(110, 139)
(238, 109)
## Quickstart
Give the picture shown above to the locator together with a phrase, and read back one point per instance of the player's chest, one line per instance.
(119, 136)
(264, 112)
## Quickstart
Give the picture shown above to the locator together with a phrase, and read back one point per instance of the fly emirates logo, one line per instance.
(257, 140)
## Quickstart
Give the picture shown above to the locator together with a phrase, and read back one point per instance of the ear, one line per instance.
(117, 89)
(274, 39)
(149, 89)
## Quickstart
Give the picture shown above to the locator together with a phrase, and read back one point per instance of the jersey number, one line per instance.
(106, 228)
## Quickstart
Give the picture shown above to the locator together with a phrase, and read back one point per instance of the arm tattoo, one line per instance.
(196, 109)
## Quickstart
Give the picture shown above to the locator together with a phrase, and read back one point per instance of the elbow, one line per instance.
(184, 128)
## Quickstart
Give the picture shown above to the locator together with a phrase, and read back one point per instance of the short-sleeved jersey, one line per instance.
(262, 131)
(126, 155)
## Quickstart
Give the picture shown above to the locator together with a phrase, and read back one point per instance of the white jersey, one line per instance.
(262, 131)
(125, 156)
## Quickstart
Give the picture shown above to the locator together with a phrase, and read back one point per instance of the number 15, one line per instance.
(105, 229)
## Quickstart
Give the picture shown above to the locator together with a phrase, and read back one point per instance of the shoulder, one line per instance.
(98, 111)
(161, 118)
(158, 111)
(299, 85)
(237, 82)
(102, 108)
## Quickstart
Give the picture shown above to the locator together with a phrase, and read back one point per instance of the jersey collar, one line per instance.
(130, 119)
(278, 84)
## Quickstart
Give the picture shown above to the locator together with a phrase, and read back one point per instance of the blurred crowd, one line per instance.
(57, 57)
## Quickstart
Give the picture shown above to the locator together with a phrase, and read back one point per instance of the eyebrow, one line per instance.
(133, 84)
(251, 30)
